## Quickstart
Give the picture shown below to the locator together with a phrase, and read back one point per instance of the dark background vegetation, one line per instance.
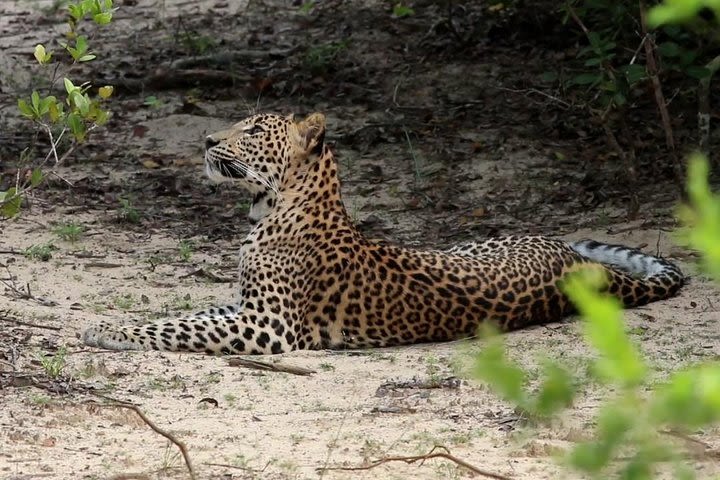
(577, 86)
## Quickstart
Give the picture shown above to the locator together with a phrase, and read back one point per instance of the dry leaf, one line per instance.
(150, 164)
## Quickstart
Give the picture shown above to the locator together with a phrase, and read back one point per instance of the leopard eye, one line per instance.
(254, 129)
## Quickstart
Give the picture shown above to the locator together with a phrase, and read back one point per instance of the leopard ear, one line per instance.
(312, 133)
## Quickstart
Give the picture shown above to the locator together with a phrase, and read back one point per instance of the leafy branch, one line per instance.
(75, 114)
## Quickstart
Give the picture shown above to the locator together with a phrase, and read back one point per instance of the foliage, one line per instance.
(320, 58)
(69, 232)
(185, 250)
(75, 111)
(629, 426)
(679, 11)
(400, 11)
(128, 213)
(614, 66)
(702, 216)
(40, 252)
(55, 364)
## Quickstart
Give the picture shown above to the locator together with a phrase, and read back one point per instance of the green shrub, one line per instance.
(73, 112)
(628, 441)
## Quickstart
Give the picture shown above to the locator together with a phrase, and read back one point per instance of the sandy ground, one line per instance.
(270, 424)
(358, 406)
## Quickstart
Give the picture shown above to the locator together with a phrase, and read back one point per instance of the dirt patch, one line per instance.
(432, 152)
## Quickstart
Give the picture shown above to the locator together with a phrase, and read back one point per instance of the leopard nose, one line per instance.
(210, 142)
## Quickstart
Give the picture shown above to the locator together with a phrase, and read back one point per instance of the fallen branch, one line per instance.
(271, 367)
(237, 467)
(422, 458)
(202, 272)
(226, 58)
(156, 429)
(24, 294)
(5, 317)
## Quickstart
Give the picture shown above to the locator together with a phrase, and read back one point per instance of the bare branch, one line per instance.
(422, 459)
(181, 446)
(272, 367)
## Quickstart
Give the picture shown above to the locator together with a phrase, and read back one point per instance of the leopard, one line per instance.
(309, 279)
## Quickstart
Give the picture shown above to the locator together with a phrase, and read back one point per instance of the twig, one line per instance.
(5, 318)
(652, 70)
(237, 467)
(685, 437)
(53, 143)
(422, 458)
(628, 160)
(637, 50)
(577, 19)
(332, 445)
(202, 272)
(156, 429)
(272, 367)
(226, 58)
(538, 92)
(25, 295)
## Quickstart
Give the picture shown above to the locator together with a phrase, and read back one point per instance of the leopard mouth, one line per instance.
(221, 170)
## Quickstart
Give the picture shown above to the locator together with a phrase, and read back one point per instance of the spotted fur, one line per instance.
(308, 279)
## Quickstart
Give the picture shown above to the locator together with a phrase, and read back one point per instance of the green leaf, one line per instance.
(690, 399)
(620, 362)
(80, 102)
(669, 49)
(634, 73)
(673, 11)
(55, 111)
(614, 422)
(105, 91)
(10, 203)
(81, 44)
(69, 87)
(556, 391)
(595, 41)
(87, 58)
(76, 12)
(697, 72)
(502, 375)
(102, 18)
(26, 109)
(400, 11)
(36, 177)
(702, 216)
(592, 62)
(35, 100)
(101, 116)
(40, 54)
(88, 6)
(307, 6)
(548, 77)
(587, 78)
(77, 127)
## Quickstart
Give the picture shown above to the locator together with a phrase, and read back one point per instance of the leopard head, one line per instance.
(262, 153)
